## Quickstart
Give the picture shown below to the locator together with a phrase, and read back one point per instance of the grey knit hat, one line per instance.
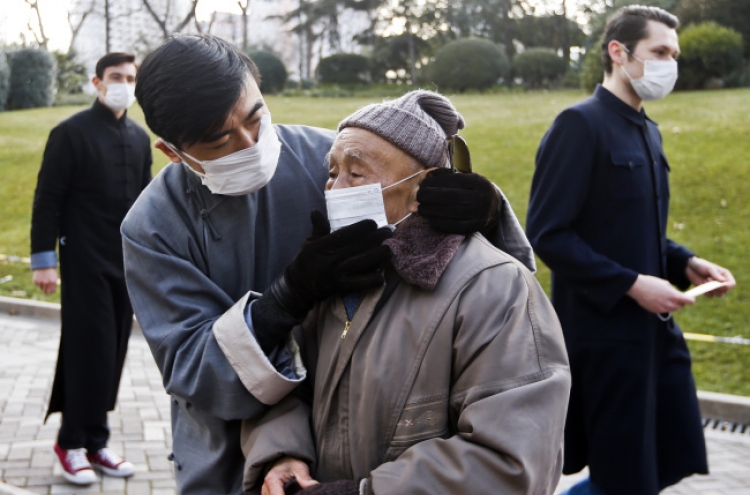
(418, 123)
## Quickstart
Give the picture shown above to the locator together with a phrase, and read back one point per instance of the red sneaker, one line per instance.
(106, 461)
(76, 467)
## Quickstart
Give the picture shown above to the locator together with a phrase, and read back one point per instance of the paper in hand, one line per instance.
(703, 288)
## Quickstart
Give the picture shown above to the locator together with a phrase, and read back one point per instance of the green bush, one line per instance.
(344, 68)
(539, 67)
(709, 51)
(592, 71)
(468, 64)
(4, 80)
(71, 75)
(32, 78)
(272, 71)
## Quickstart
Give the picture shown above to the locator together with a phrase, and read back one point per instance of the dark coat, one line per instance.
(94, 168)
(597, 217)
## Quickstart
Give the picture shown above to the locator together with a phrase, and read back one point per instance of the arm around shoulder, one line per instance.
(177, 306)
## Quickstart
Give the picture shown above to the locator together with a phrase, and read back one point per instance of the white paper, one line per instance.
(703, 288)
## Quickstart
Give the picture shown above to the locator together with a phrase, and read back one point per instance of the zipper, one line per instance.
(348, 322)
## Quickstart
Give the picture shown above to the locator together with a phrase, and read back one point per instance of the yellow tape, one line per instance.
(712, 338)
(14, 259)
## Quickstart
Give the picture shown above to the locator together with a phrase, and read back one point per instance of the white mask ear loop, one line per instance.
(174, 150)
(404, 180)
(623, 65)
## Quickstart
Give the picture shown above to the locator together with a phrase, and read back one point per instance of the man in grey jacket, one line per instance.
(226, 219)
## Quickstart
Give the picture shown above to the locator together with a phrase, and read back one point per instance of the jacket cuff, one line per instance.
(677, 262)
(43, 259)
(248, 360)
(605, 295)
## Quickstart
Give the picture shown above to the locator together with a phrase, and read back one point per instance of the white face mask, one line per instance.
(119, 96)
(243, 171)
(659, 78)
(350, 205)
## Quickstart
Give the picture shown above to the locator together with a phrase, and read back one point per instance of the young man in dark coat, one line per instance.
(95, 165)
(597, 217)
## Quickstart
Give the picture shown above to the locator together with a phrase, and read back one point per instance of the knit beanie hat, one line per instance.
(418, 123)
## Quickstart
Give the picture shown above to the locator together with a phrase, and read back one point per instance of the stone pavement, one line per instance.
(140, 425)
(141, 429)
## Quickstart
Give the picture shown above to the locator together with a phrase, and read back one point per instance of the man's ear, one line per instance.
(96, 82)
(173, 157)
(616, 52)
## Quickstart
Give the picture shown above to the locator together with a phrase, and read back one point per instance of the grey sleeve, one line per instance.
(185, 318)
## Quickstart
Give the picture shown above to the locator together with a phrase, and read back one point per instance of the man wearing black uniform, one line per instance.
(598, 218)
(95, 165)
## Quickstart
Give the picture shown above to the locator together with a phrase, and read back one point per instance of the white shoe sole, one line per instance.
(78, 479)
(123, 472)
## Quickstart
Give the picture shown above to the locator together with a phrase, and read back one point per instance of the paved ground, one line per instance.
(140, 424)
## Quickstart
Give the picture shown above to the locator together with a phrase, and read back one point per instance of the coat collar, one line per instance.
(614, 103)
(104, 113)
(420, 253)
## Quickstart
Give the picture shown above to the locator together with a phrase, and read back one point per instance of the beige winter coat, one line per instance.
(461, 389)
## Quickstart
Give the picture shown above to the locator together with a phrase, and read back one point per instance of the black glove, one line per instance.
(328, 263)
(343, 487)
(458, 203)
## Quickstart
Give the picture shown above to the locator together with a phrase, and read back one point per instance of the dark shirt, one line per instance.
(94, 167)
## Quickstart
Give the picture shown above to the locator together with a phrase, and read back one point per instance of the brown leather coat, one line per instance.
(462, 389)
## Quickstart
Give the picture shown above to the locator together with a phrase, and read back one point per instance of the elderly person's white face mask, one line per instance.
(358, 158)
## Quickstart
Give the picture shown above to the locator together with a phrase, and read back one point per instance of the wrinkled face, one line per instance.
(359, 157)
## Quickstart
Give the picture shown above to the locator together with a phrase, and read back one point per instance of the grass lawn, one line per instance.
(706, 137)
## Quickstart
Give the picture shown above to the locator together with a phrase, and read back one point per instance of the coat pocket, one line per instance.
(629, 175)
(419, 421)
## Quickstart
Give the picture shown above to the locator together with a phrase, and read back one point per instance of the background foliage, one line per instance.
(273, 74)
(709, 51)
(344, 68)
(469, 64)
(539, 68)
(32, 78)
(4, 80)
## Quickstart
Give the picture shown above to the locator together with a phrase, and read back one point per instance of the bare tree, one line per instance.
(244, 8)
(75, 27)
(162, 22)
(41, 38)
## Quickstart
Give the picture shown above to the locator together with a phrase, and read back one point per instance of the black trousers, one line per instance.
(96, 322)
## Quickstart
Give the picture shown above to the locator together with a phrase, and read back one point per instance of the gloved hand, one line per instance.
(328, 263)
(343, 487)
(458, 203)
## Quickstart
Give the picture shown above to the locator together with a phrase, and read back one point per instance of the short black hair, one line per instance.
(629, 25)
(188, 86)
(112, 59)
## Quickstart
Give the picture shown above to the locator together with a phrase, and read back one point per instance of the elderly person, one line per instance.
(450, 378)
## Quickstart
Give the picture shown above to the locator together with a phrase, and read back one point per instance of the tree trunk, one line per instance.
(244, 9)
(107, 18)
(42, 38)
(412, 61)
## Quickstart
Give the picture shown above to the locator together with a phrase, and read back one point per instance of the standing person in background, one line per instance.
(597, 217)
(95, 165)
